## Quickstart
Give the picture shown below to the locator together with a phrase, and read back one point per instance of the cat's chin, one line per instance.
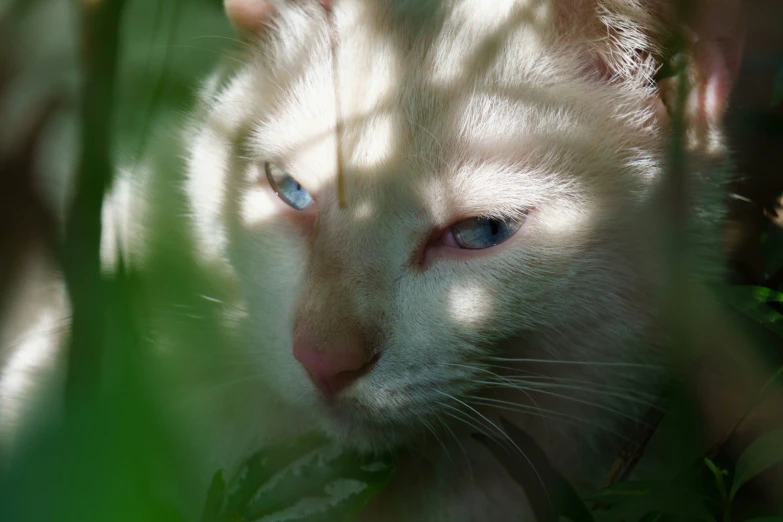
(364, 433)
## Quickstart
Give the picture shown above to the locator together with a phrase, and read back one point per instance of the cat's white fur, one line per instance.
(450, 110)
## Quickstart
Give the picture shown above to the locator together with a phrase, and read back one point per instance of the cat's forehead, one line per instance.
(453, 107)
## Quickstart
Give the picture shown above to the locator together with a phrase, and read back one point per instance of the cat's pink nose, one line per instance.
(331, 367)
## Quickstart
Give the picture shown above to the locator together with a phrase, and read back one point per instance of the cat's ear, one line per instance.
(712, 42)
(251, 16)
(701, 39)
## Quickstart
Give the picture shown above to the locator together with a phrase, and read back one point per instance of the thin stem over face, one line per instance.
(81, 252)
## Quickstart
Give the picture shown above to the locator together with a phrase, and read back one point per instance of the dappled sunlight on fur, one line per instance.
(477, 112)
(540, 112)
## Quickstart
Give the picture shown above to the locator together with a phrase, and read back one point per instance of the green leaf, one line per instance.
(327, 479)
(763, 294)
(264, 466)
(305, 480)
(762, 454)
(718, 472)
(649, 500)
(622, 492)
(720, 478)
(215, 498)
(752, 301)
(765, 519)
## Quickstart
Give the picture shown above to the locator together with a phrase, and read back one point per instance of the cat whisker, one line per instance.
(432, 430)
(603, 364)
(533, 377)
(456, 440)
(623, 393)
(550, 414)
(193, 47)
(217, 37)
(533, 381)
(596, 389)
(505, 436)
(566, 397)
(211, 299)
(494, 374)
(469, 421)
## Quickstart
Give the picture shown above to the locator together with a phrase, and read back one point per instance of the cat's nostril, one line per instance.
(332, 368)
(346, 378)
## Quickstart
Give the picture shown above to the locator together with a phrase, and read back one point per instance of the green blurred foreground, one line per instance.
(112, 460)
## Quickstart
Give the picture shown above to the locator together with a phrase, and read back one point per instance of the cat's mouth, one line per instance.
(361, 428)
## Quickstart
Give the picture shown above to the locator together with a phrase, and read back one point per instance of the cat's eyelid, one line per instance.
(502, 214)
(282, 166)
(510, 214)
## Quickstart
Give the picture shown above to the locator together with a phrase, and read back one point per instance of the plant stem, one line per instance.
(81, 250)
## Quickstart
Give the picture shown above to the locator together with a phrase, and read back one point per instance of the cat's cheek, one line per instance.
(303, 220)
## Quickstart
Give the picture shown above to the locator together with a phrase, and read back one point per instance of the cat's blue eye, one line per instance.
(484, 232)
(287, 188)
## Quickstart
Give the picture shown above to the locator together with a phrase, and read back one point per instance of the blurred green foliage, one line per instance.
(307, 480)
(113, 457)
(168, 47)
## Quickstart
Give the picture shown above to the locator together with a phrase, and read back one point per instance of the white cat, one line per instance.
(412, 217)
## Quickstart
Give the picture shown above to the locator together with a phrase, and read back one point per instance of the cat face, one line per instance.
(479, 201)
